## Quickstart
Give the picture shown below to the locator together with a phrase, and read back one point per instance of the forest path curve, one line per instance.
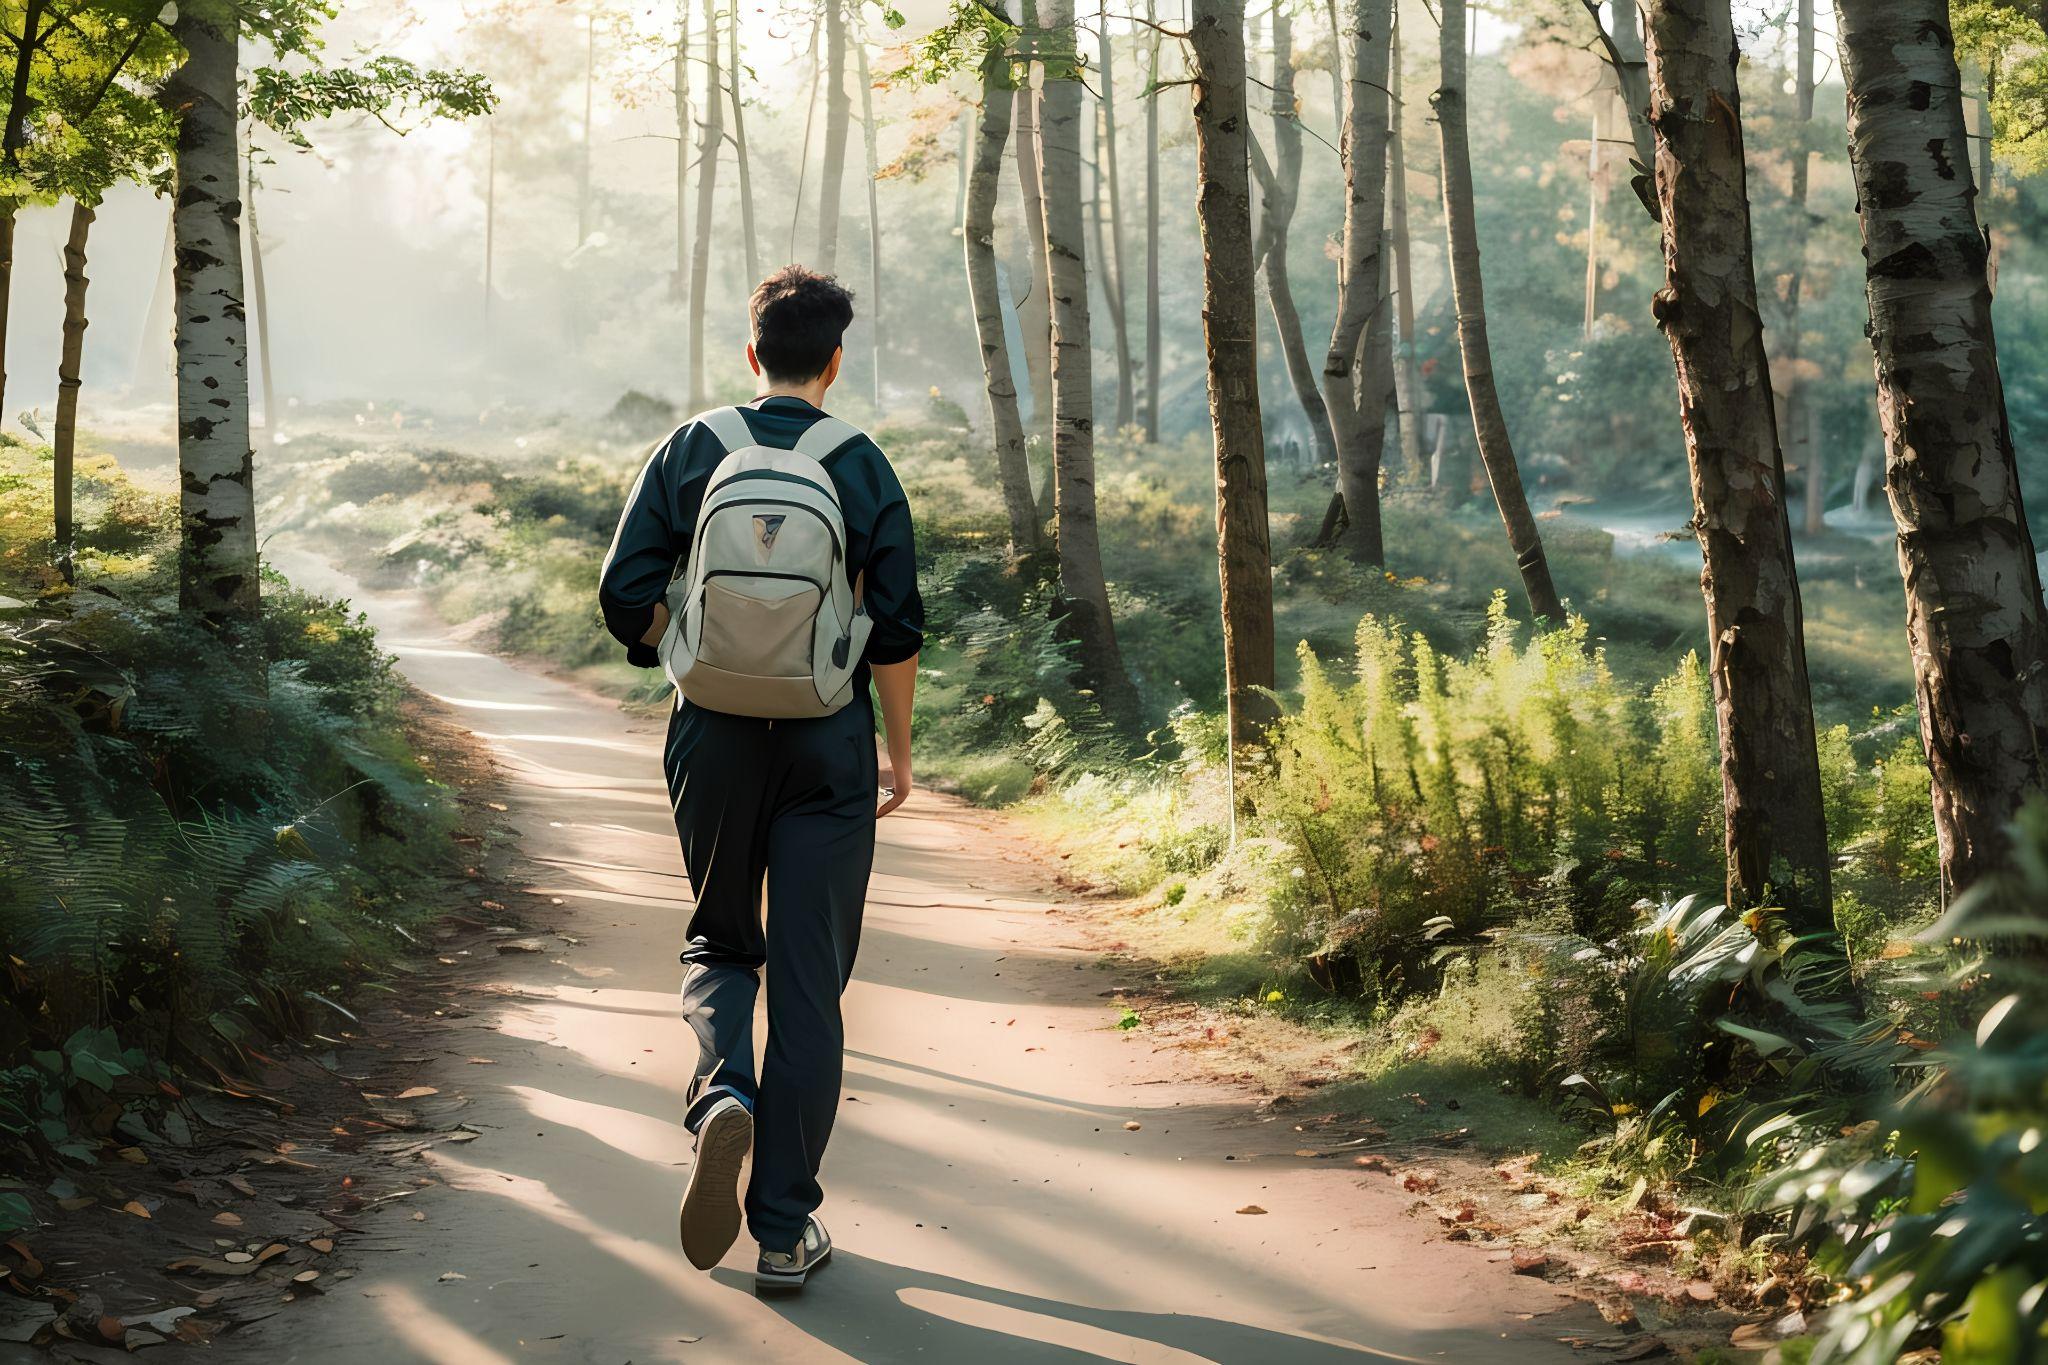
(988, 1202)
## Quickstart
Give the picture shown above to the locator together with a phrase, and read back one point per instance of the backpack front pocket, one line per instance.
(758, 626)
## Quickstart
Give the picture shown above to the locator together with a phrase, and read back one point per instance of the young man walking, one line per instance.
(769, 782)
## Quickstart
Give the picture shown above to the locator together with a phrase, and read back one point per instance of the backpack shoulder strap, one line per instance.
(729, 427)
(825, 436)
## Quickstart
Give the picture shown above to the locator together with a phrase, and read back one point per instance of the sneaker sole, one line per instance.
(710, 1219)
(794, 1280)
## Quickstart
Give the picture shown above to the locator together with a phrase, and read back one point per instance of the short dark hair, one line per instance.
(798, 318)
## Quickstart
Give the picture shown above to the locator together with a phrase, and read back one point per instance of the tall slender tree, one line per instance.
(218, 577)
(1801, 438)
(1974, 615)
(1279, 192)
(1623, 47)
(734, 70)
(984, 286)
(1113, 265)
(1363, 148)
(1084, 595)
(1034, 315)
(1770, 774)
(867, 139)
(1468, 289)
(1408, 397)
(838, 116)
(1152, 332)
(679, 93)
(711, 136)
(1229, 333)
(68, 381)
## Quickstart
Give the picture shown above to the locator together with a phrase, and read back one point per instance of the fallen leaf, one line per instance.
(1304, 1151)
(228, 1220)
(1529, 1261)
(448, 1275)
(274, 1249)
(240, 1186)
(418, 1092)
(134, 1156)
(306, 1277)
(238, 1257)
(323, 1245)
(1251, 1208)
(135, 1207)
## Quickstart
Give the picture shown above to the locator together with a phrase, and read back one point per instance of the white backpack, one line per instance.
(763, 621)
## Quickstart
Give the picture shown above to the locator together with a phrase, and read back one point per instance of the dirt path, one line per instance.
(988, 1200)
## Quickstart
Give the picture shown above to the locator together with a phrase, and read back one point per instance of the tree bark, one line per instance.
(984, 287)
(8, 210)
(1408, 395)
(711, 135)
(1152, 339)
(1113, 278)
(867, 137)
(1974, 615)
(1279, 192)
(65, 441)
(838, 113)
(1363, 148)
(1084, 595)
(1770, 775)
(1034, 315)
(1489, 423)
(1229, 334)
(218, 578)
(739, 147)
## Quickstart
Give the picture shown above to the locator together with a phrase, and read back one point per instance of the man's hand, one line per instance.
(659, 627)
(895, 788)
(894, 686)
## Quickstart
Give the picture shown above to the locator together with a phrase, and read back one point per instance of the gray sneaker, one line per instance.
(788, 1269)
(711, 1204)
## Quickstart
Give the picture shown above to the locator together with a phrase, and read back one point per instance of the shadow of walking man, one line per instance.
(877, 1312)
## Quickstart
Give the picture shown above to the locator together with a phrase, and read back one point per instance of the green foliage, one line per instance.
(2006, 44)
(386, 88)
(1935, 1209)
(187, 845)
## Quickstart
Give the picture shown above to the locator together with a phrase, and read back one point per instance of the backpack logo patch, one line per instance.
(766, 528)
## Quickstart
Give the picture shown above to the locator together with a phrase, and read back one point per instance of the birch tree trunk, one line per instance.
(1364, 151)
(984, 287)
(1468, 289)
(1113, 277)
(1974, 616)
(1770, 775)
(867, 137)
(739, 147)
(1229, 333)
(1152, 340)
(838, 113)
(1034, 317)
(1084, 595)
(64, 444)
(1408, 396)
(218, 577)
(1279, 192)
(710, 137)
(679, 88)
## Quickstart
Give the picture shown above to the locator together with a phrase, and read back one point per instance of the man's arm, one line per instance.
(642, 557)
(895, 686)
